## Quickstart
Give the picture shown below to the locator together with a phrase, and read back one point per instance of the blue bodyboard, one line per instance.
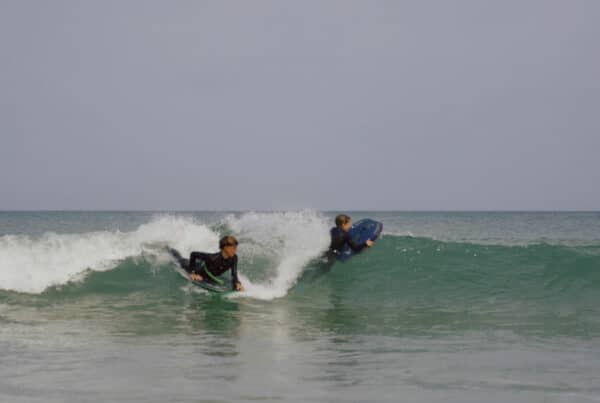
(360, 232)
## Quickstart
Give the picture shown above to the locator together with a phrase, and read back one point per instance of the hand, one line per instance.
(239, 287)
(369, 243)
(196, 277)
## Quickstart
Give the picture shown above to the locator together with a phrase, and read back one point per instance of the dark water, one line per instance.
(458, 307)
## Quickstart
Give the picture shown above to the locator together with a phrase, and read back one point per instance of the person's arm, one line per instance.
(234, 275)
(353, 245)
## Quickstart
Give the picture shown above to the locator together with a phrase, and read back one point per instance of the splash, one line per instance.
(288, 239)
(32, 264)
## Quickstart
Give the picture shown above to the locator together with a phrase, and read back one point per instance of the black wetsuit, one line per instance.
(339, 238)
(215, 263)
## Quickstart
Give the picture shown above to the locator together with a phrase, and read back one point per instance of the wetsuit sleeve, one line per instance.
(353, 245)
(337, 240)
(234, 273)
(194, 257)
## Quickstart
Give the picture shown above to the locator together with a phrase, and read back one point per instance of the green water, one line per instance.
(97, 311)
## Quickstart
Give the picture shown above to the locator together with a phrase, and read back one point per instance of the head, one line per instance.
(228, 245)
(343, 222)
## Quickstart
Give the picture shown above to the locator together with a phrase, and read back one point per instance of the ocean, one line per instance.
(445, 307)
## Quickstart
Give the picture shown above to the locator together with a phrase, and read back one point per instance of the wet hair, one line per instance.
(341, 220)
(227, 241)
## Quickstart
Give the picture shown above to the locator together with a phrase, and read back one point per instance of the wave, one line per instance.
(422, 269)
(32, 264)
(280, 250)
(275, 246)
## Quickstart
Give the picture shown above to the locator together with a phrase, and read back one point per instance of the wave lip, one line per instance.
(32, 264)
(289, 240)
(275, 249)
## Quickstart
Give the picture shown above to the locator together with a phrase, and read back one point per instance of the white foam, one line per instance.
(33, 264)
(288, 240)
(292, 238)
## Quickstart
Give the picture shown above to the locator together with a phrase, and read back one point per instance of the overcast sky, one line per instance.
(300, 104)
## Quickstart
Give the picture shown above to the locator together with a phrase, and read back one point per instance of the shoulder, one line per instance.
(338, 231)
(231, 262)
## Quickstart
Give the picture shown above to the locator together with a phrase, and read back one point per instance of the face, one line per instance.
(346, 227)
(230, 250)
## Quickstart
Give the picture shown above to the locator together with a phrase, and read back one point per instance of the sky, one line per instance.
(276, 105)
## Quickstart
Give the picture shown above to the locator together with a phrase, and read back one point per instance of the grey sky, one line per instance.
(305, 104)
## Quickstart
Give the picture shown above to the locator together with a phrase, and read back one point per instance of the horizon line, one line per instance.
(297, 209)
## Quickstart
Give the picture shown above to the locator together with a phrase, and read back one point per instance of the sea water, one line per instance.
(445, 307)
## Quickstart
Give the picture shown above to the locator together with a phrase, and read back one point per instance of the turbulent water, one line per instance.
(452, 307)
